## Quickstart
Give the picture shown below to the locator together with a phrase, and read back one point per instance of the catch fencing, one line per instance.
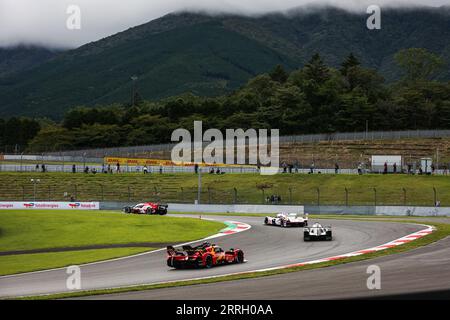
(104, 190)
(308, 138)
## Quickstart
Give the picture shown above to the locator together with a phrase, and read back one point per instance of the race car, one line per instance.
(147, 208)
(287, 220)
(317, 232)
(205, 255)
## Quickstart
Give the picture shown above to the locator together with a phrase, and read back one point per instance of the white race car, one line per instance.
(317, 232)
(287, 220)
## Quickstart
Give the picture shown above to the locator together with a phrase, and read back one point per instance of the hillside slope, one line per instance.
(214, 55)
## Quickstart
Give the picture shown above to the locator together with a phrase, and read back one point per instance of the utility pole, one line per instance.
(199, 184)
(133, 90)
(367, 129)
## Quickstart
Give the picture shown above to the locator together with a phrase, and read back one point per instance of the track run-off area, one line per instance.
(264, 246)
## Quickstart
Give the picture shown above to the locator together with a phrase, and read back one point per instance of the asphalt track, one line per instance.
(264, 247)
(423, 273)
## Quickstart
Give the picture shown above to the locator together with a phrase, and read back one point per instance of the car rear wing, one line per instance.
(171, 251)
(311, 227)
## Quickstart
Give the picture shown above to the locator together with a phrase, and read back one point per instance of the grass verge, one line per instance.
(42, 261)
(442, 231)
(42, 229)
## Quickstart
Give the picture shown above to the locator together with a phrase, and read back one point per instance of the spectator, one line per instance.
(336, 168)
(211, 171)
(409, 168)
(290, 168)
(311, 168)
(109, 168)
(37, 167)
(43, 167)
(74, 168)
(196, 168)
(360, 168)
(160, 169)
(94, 170)
(432, 168)
(395, 167)
(284, 166)
(385, 168)
(145, 169)
(218, 171)
(72, 198)
(86, 169)
(118, 167)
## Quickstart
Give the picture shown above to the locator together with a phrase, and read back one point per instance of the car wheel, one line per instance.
(266, 221)
(208, 262)
(148, 211)
(240, 257)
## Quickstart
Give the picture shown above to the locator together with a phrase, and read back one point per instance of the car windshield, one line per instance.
(293, 215)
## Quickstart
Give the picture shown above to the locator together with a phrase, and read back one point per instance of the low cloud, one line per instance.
(43, 22)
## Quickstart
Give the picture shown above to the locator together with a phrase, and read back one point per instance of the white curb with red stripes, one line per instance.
(232, 228)
(391, 244)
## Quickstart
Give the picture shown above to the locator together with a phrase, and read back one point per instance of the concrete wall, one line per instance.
(343, 210)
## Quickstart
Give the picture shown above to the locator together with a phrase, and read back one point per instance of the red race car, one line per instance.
(147, 208)
(205, 255)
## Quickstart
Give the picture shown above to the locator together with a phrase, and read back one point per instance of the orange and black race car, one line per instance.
(205, 255)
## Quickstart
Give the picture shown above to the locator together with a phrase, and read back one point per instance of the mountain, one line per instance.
(21, 58)
(213, 55)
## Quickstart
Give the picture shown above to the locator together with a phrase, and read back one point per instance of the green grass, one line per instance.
(293, 188)
(23, 230)
(42, 261)
(442, 231)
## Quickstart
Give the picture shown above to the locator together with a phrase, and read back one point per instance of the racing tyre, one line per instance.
(127, 210)
(266, 221)
(306, 236)
(208, 262)
(329, 236)
(240, 257)
(148, 211)
(199, 263)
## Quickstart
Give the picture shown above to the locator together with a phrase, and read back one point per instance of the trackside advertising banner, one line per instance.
(5, 205)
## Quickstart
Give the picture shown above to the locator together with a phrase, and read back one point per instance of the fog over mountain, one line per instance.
(43, 22)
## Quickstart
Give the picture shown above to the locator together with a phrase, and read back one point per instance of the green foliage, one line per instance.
(313, 99)
(418, 64)
(15, 133)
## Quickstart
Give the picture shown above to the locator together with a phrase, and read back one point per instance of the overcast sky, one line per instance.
(43, 22)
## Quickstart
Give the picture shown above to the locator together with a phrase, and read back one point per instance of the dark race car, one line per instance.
(147, 208)
(205, 255)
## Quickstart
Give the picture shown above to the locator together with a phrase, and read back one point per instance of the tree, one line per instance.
(279, 74)
(419, 64)
(316, 70)
(349, 62)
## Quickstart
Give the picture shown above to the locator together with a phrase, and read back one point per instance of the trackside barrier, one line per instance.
(211, 208)
(52, 205)
(380, 210)
(343, 210)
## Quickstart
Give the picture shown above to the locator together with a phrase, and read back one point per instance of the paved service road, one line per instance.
(264, 247)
